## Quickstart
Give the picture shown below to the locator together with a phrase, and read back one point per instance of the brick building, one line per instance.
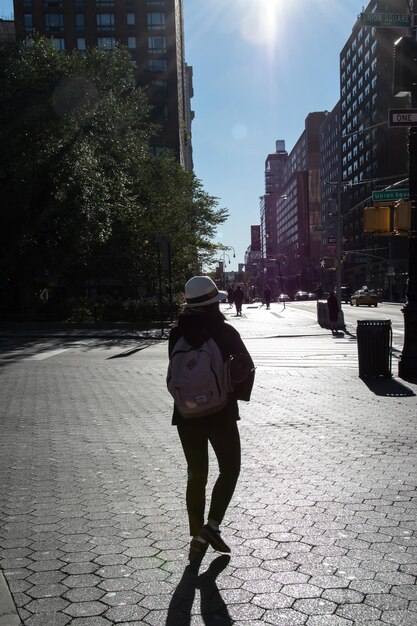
(152, 31)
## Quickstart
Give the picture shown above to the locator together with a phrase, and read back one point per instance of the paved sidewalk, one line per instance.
(93, 527)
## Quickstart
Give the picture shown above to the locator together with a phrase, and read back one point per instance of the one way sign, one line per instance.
(402, 117)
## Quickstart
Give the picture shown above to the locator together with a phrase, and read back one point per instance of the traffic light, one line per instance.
(402, 217)
(405, 65)
(377, 219)
(327, 263)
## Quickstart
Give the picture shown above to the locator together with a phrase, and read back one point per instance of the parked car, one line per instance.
(366, 298)
(283, 297)
(312, 296)
(301, 295)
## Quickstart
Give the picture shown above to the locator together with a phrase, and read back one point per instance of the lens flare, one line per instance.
(260, 21)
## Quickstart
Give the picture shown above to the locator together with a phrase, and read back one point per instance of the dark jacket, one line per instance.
(196, 326)
(332, 307)
(238, 295)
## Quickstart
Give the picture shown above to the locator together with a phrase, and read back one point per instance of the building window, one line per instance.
(160, 86)
(79, 21)
(156, 21)
(28, 21)
(131, 43)
(27, 4)
(58, 43)
(54, 21)
(157, 65)
(106, 43)
(104, 3)
(53, 3)
(155, 3)
(81, 43)
(79, 3)
(160, 112)
(157, 45)
(105, 21)
(130, 19)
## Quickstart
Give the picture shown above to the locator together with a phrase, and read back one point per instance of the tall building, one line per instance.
(7, 30)
(373, 156)
(152, 31)
(274, 178)
(329, 194)
(253, 256)
(298, 210)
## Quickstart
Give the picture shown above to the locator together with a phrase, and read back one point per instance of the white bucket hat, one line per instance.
(201, 291)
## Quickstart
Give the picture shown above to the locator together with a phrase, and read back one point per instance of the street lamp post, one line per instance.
(222, 264)
(407, 367)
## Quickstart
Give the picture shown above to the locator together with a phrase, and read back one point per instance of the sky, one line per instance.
(259, 68)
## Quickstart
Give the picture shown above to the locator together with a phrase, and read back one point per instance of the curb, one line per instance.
(8, 611)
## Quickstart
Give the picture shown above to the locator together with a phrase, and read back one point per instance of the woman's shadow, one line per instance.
(213, 608)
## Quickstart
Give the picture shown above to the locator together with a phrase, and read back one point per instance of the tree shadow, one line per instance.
(213, 608)
(16, 348)
(388, 387)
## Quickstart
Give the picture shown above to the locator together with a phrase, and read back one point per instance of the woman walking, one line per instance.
(333, 310)
(200, 321)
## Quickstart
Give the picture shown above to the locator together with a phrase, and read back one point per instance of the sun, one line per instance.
(261, 21)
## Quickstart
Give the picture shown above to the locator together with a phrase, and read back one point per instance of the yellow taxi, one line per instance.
(364, 297)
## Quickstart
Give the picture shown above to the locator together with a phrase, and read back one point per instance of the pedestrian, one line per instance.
(267, 296)
(230, 291)
(238, 297)
(333, 311)
(200, 320)
(319, 293)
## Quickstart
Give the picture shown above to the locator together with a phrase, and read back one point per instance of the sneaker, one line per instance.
(214, 539)
(197, 549)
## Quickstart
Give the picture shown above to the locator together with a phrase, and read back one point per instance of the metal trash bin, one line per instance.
(323, 316)
(374, 338)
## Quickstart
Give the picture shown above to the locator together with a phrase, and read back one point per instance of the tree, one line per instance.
(82, 195)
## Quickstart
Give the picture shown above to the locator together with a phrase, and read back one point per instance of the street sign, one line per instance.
(319, 227)
(402, 117)
(391, 194)
(333, 240)
(362, 259)
(385, 20)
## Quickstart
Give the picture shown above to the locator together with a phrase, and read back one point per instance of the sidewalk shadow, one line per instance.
(388, 387)
(213, 608)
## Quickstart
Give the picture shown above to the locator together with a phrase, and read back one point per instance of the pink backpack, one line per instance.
(198, 379)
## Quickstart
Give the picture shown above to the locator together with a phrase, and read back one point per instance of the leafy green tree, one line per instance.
(82, 196)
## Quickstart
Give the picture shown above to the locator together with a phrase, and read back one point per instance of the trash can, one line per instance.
(374, 338)
(323, 316)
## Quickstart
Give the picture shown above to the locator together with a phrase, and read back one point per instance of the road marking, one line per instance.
(47, 354)
(41, 356)
(347, 356)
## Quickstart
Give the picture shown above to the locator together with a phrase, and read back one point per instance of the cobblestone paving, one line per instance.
(93, 528)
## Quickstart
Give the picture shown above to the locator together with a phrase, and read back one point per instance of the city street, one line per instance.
(93, 528)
